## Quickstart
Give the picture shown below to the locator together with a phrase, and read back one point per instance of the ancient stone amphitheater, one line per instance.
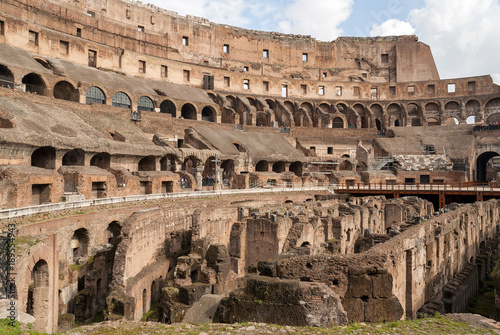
(154, 161)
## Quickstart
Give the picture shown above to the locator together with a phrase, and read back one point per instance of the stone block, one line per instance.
(382, 285)
(355, 309)
(267, 268)
(189, 294)
(377, 310)
(359, 286)
(65, 322)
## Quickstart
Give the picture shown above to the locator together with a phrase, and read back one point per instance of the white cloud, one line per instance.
(392, 27)
(463, 35)
(319, 18)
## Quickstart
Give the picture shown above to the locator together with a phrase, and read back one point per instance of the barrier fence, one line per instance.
(17, 212)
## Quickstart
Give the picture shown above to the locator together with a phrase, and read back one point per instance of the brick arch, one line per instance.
(189, 111)
(35, 83)
(166, 107)
(120, 104)
(145, 96)
(209, 113)
(395, 113)
(473, 111)
(66, 90)
(452, 110)
(289, 105)
(6, 77)
(491, 107)
(231, 101)
(414, 113)
(325, 107)
(90, 95)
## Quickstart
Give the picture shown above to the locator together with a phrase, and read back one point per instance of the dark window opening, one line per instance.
(410, 181)
(98, 190)
(33, 38)
(40, 194)
(185, 40)
(142, 66)
(385, 58)
(330, 150)
(92, 58)
(392, 90)
(78, 32)
(64, 47)
(425, 179)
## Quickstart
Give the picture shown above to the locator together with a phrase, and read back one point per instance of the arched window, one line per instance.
(6, 77)
(168, 107)
(145, 104)
(188, 112)
(338, 123)
(65, 91)
(95, 95)
(262, 166)
(208, 114)
(34, 84)
(120, 99)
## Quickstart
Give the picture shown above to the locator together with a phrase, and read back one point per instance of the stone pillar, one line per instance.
(197, 171)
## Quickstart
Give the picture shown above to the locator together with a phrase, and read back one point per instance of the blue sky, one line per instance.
(464, 35)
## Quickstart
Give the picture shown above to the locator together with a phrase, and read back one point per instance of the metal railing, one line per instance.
(17, 212)
(460, 187)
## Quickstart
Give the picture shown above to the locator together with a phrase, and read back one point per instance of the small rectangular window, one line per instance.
(330, 150)
(92, 58)
(205, 62)
(385, 58)
(186, 75)
(266, 86)
(305, 57)
(245, 68)
(338, 91)
(324, 75)
(451, 88)
(227, 81)
(33, 37)
(471, 86)
(321, 90)
(411, 90)
(392, 90)
(164, 71)
(90, 13)
(431, 89)
(225, 48)
(142, 66)
(356, 92)
(246, 84)
(303, 88)
(185, 40)
(2, 27)
(64, 47)
(313, 149)
(140, 29)
(78, 32)
(284, 91)
(374, 93)
(265, 53)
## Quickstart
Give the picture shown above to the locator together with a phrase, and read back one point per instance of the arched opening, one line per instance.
(167, 163)
(189, 164)
(326, 108)
(74, 157)
(493, 118)
(262, 120)
(262, 166)
(154, 292)
(227, 167)
(279, 167)
(114, 232)
(395, 115)
(188, 112)
(365, 117)
(44, 157)
(168, 107)
(145, 305)
(492, 107)
(65, 91)
(38, 296)
(432, 111)
(482, 167)
(34, 84)
(95, 95)
(337, 123)
(147, 164)
(121, 99)
(378, 124)
(6, 77)
(345, 166)
(296, 167)
(208, 114)
(145, 104)
(101, 160)
(414, 114)
(253, 102)
(208, 174)
(231, 102)
(452, 110)
(290, 106)
(79, 244)
(472, 108)
(470, 120)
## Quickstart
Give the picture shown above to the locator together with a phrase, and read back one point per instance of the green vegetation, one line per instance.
(431, 325)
